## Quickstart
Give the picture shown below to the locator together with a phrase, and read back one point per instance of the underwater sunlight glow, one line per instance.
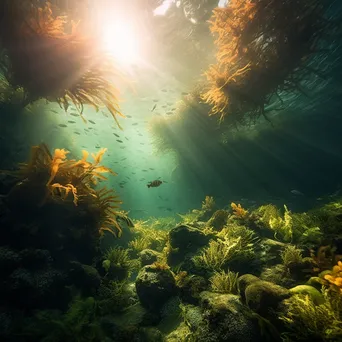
(120, 39)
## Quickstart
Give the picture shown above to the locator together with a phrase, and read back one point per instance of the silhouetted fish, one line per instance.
(154, 184)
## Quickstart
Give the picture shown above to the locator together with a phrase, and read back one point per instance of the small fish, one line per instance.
(126, 138)
(151, 168)
(296, 192)
(154, 107)
(142, 144)
(169, 103)
(184, 93)
(91, 121)
(169, 113)
(173, 109)
(62, 125)
(134, 124)
(129, 116)
(154, 184)
(70, 121)
(117, 135)
(78, 133)
(120, 141)
(74, 114)
(155, 100)
(122, 147)
(164, 90)
(54, 111)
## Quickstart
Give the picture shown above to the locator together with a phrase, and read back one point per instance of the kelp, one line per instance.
(263, 48)
(65, 67)
(62, 177)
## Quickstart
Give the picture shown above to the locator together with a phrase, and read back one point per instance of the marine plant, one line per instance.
(224, 282)
(260, 53)
(216, 256)
(61, 66)
(79, 324)
(291, 255)
(112, 296)
(334, 278)
(190, 217)
(208, 204)
(238, 211)
(306, 321)
(60, 179)
(117, 263)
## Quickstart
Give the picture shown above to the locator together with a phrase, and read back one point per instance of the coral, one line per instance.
(306, 321)
(224, 282)
(238, 211)
(63, 67)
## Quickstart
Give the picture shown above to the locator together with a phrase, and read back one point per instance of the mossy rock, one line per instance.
(155, 286)
(244, 281)
(148, 257)
(184, 237)
(261, 296)
(314, 294)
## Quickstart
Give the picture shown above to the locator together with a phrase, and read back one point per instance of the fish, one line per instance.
(134, 124)
(296, 192)
(91, 121)
(129, 116)
(74, 114)
(78, 133)
(184, 93)
(164, 90)
(71, 121)
(169, 113)
(155, 183)
(155, 100)
(154, 107)
(120, 141)
(117, 135)
(62, 125)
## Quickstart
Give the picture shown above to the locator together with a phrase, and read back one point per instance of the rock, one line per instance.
(261, 296)
(155, 285)
(191, 288)
(84, 277)
(225, 318)
(314, 294)
(244, 281)
(219, 219)
(148, 257)
(187, 238)
(184, 242)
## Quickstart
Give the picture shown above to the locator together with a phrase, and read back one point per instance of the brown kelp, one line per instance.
(263, 48)
(56, 178)
(48, 61)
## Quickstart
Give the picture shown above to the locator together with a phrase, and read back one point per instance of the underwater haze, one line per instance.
(171, 170)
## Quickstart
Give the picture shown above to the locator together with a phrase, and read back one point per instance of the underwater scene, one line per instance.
(171, 170)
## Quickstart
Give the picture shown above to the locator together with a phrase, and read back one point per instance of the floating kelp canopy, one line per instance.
(264, 47)
(46, 61)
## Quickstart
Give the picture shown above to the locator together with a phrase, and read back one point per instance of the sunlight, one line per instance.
(162, 9)
(120, 39)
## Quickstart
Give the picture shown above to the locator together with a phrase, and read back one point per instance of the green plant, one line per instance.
(291, 255)
(224, 282)
(305, 321)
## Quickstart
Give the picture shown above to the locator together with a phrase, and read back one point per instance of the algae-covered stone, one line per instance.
(154, 285)
(148, 257)
(314, 294)
(225, 319)
(261, 296)
(244, 281)
(187, 238)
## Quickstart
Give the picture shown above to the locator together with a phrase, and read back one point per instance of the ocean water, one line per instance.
(292, 158)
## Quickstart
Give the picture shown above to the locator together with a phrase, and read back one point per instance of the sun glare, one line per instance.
(121, 40)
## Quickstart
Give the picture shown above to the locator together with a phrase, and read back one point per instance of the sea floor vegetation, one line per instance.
(240, 274)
